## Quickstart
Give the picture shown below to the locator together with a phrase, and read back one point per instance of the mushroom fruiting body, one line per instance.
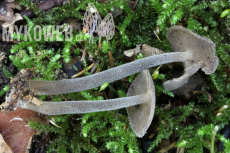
(96, 80)
(199, 52)
(140, 104)
(193, 51)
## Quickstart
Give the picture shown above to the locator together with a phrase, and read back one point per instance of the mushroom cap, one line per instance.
(140, 116)
(200, 49)
(178, 82)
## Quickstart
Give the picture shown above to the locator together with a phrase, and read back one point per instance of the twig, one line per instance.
(93, 146)
(209, 96)
(111, 59)
(80, 73)
(135, 4)
(83, 55)
(172, 145)
(94, 66)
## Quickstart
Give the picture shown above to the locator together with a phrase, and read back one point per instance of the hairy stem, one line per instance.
(96, 80)
(78, 107)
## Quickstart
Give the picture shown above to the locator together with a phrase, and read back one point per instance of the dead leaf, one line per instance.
(15, 130)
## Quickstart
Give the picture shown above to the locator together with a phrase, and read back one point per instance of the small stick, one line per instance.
(209, 96)
(64, 98)
(2, 56)
(157, 36)
(135, 4)
(111, 59)
(83, 55)
(93, 146)
(94, 66)
(125, 80)
(98, 94)
(168, 147)
(104, 94)
(97, 71)
(125, 126)
(80, 73)
(117, 27)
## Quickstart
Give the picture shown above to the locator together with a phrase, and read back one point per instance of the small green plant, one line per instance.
(7, 73)
(4, 90)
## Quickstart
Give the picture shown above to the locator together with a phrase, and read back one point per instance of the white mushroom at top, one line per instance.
(140, 104)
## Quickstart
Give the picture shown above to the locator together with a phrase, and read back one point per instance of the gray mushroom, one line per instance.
(140, 104)
(199, 52)
(193, 51)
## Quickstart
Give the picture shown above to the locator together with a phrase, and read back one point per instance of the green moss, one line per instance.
(107, 131)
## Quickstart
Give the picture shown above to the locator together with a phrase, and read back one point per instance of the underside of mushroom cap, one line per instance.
(178, 82)
(140, 116)
(200, 49)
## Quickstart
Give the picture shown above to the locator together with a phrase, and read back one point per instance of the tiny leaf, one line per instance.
(104, 85)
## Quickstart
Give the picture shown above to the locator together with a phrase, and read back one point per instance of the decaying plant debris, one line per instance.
(18, 85)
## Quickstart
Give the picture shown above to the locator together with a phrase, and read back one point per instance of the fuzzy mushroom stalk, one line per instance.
(140, 104)
(191, 49)
(79, 107)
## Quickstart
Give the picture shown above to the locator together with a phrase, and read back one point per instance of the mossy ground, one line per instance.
(188, 120)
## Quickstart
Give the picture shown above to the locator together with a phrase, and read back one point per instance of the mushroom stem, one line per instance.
(77, 107)
(113, 74)
(140, 104)
(193, 50)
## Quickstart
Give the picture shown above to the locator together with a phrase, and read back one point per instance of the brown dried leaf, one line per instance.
(15, 130)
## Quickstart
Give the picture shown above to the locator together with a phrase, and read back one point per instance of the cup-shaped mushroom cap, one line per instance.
(178, 82)
(200, 49)
(140, 116)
